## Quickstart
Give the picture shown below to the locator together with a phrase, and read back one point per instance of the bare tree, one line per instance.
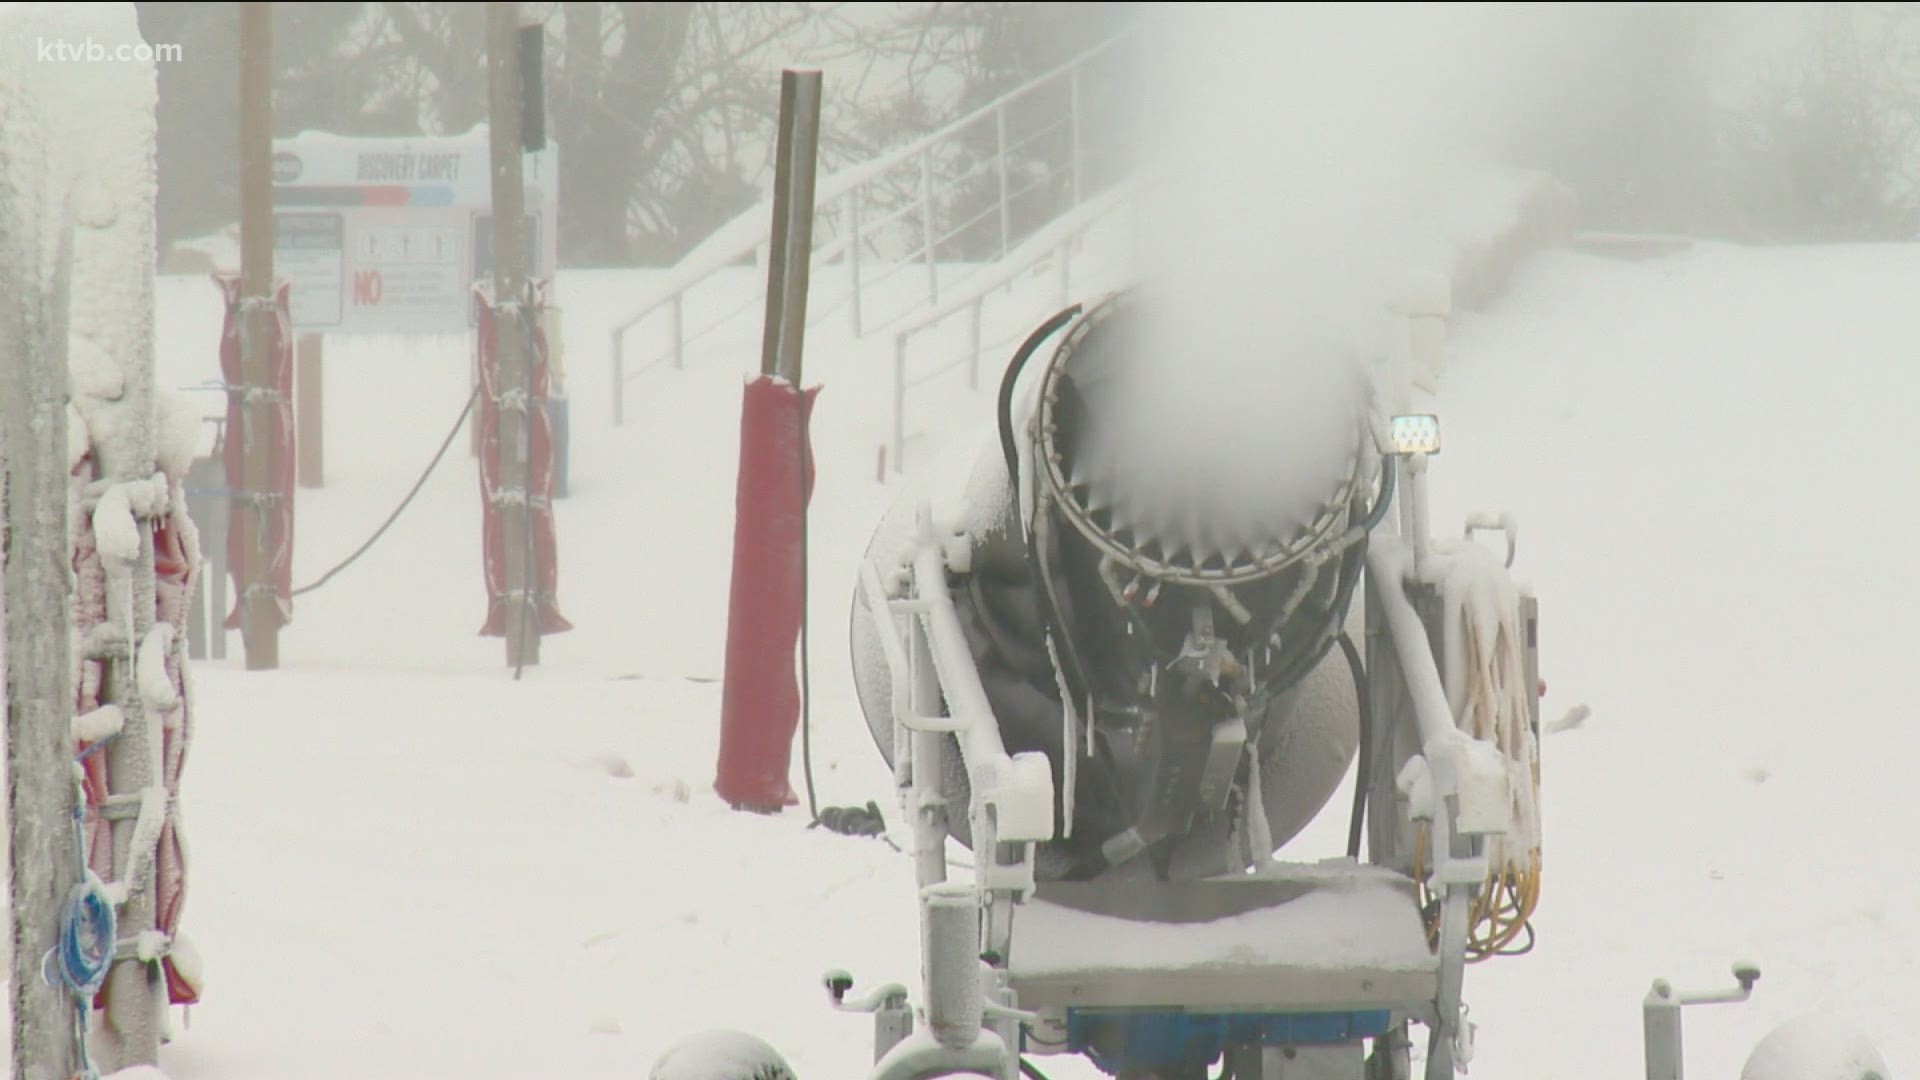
(662, 111)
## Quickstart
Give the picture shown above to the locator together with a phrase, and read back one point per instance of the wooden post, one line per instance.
(309, 430)
(34, 636)
(259, 608)
(510, 350)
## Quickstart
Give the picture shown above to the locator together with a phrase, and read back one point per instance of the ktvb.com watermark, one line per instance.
(89, 51)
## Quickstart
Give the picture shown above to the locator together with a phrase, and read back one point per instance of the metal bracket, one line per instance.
(1485, 521)
(1660, 1019)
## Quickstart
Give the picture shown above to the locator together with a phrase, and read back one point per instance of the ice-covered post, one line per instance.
(760, 705)
(509, 292)
(35, 617)
(259, 604)
(110, 341)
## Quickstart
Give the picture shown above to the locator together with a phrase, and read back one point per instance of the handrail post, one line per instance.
(1073, 126)
(926, 225)
(619, 379)
(1000, 157)
(973, 347)
(679, 339)
(853, 257)
(899, 402)
(1065, 260)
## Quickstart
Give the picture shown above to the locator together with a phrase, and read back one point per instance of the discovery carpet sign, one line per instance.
(375, 234)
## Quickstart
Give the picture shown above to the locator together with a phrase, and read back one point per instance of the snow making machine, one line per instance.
(1125, 709)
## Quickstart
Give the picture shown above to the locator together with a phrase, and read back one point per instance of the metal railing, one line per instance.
(1056, 242)
(966, 194)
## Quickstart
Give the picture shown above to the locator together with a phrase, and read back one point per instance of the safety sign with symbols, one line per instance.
(385, 235)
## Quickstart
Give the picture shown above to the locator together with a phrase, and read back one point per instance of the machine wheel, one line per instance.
(1814, 1048)
(721, 1055)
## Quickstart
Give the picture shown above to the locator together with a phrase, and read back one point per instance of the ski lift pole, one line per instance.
(259, 604)
(510, 294)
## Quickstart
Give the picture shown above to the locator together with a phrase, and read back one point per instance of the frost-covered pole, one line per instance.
(259, 606)
(113, 392)
(509, 292)
(35, 616)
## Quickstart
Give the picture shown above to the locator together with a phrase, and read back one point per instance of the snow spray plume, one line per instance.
(1297, 157)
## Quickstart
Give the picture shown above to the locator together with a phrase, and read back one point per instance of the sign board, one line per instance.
(388, 235)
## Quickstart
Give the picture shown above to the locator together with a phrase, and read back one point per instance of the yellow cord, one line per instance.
(1500, 911)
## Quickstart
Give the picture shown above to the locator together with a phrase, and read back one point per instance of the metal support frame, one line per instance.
(1660, 1019)
(1436, 754)
(940, 707)
(973, 1020)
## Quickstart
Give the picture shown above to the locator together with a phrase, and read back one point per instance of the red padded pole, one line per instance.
(760, 701)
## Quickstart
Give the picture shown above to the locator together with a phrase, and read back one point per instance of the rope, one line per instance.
(404, 503)
(83, 954)
(87, 934)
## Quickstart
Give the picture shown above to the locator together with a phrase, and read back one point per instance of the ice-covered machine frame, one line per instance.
(1438, 800)
(972, 1022)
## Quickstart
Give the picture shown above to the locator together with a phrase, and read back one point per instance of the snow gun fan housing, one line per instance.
(1154, 619)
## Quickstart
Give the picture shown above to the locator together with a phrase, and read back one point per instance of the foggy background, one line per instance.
(1761, 123)
(1299, 154)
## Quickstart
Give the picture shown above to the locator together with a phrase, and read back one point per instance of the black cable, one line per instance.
(845, 820)
(1363, 767)
(1380, 503)
(391, 518)
(1028, 1069)
(1005, 408)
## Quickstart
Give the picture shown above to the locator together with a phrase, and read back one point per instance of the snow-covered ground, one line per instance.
(406, 864)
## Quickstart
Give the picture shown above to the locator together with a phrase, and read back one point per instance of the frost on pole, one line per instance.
(34, 652)
(88, 189)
